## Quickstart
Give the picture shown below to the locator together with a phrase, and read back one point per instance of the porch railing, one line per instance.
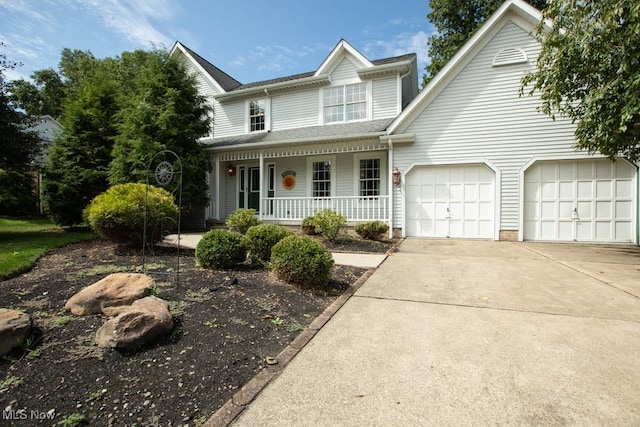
(353, 208)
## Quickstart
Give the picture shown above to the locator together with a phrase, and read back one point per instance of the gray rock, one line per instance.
(108, 295)
(15, 328)
(142, 322)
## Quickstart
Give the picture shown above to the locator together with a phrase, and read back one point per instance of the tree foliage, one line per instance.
(116, 113)
(78, 167)
(18, 149)
(164, 112)
(589, 70)
(455, 22)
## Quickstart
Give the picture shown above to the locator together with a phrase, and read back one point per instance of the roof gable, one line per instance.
(342, 49)
(220, 79)
(518, 11)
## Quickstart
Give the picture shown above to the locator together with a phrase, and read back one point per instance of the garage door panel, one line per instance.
(589, 200)
(461, 198)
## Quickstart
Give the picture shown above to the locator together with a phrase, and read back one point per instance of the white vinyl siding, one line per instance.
(296, 109)
(229, 118)
(385, 98)
(479, 117)
(346, 70)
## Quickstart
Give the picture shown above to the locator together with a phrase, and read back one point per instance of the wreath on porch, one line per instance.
(288, 180)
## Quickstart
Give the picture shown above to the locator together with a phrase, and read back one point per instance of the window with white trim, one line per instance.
(345, 103)
(257, 115)
(369, 178)
(321, 178)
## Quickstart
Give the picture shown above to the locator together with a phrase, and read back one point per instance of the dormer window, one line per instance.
(257, 115)
(345, 103)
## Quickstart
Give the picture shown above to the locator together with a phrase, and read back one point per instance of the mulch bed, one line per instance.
(227, 324)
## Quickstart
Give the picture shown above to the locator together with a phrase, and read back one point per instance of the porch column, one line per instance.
(390, 187)
(217, 186)
(261, 195)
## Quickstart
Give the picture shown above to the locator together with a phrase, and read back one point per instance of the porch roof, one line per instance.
(334, 132)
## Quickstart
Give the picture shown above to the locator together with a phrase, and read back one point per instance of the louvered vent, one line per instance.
(509, 56)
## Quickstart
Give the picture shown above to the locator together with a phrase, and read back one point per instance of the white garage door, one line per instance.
(451, 201)
(583, 200)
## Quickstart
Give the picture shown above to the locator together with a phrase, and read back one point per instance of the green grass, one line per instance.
(23, 241)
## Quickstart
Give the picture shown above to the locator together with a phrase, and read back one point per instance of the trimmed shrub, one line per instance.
(373, 230)
(329, 223)
(302, 260)
(118, 213)
(260, 240)
(308, 226)
(242, 220)
(221, 249)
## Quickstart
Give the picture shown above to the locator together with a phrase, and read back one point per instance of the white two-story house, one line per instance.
(466, 157)
(291, 146)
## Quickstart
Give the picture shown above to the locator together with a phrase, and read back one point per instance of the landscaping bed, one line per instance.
(227, 324)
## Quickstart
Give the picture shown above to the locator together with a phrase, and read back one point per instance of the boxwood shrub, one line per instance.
(221, 248)
(329, 223)
(373, 230)
(302, 260)
(118, 213)
(260, 240)
(242, 220)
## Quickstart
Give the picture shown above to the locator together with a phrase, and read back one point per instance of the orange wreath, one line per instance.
(288, 182)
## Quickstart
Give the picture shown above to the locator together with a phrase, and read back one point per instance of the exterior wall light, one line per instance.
(396, 176)
(231, 170)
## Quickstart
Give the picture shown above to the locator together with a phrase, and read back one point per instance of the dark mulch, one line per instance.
(227, 324)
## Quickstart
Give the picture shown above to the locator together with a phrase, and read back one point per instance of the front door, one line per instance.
(249, 188)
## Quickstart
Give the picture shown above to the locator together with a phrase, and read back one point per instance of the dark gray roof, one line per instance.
(337, 131)
(227, 82)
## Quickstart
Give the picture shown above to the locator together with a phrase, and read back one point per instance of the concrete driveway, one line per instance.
(450, 332)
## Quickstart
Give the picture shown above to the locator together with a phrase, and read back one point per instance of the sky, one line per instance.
(250, 40)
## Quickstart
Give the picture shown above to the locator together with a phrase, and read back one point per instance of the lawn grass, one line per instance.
(23, 241)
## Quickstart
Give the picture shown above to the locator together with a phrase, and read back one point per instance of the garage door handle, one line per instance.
(574, 215)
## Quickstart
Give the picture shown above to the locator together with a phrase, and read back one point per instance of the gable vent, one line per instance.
(509, 56)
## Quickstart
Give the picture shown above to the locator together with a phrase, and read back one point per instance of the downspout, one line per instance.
(268, 113)
(391, 187)
(217, 178)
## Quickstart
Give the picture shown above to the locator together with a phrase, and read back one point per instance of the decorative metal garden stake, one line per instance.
(164, 171)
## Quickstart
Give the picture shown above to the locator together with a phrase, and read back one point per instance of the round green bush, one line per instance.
(302, 260)
(308, 226)
(329, 223)
(373, 230)
(242, 220)
(261, 238)
(221, 249)
(118, 213)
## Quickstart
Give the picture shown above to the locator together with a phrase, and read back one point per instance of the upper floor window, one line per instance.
(257, 115)
(345, 103)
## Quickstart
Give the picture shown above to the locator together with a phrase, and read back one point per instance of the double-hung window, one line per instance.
(321, 178)
(257, 115)
(345, 103)
(369, 178)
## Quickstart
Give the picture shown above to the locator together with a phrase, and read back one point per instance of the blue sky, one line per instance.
(250, 40)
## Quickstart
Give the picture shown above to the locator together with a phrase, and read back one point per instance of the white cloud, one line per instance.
(132, 19)
(399, 45)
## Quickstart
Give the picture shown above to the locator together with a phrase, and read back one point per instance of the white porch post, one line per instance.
(261, 195)
(217, 187)
(390, 187)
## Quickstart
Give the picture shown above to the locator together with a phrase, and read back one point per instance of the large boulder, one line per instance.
(142, 322)
(104, 296)
(15, 328)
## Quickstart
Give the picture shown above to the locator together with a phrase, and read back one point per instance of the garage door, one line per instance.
(452, 201)
(584, 200)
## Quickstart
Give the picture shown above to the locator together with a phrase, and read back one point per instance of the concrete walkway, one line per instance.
(452, 332)
(190, 241)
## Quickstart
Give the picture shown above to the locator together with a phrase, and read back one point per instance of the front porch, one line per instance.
(354, 208)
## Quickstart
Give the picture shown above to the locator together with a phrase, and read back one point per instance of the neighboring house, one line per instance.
(49, 129)
(475, 159)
